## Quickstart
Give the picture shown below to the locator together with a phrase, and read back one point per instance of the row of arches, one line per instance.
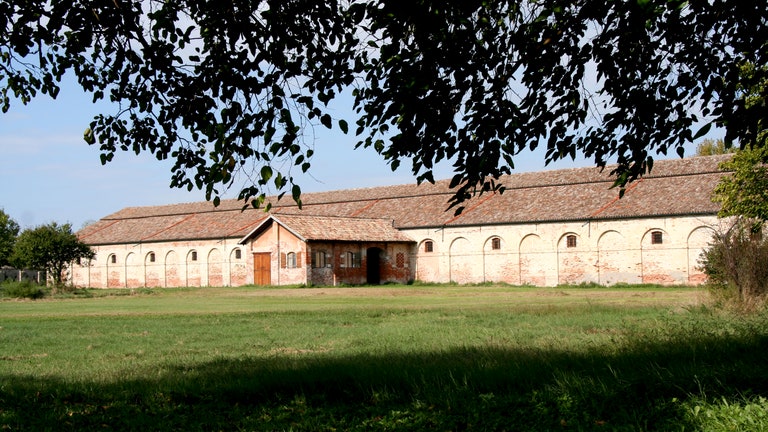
(169, 268)
(655, 255)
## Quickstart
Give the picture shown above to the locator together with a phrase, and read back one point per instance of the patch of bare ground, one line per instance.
(341, 292)
(281, 351)
(23, 357)
(676, 296)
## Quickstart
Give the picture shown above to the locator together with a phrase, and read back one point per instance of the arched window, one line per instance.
(657, 237)
(570, 241)
(495, 243)
(428, 246)
(354, 260)
(320, 259)
(151, 257)
(290, 260)
(113, 259)
(238, 254)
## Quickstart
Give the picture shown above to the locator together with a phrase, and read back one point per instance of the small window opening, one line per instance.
(113, 259)
(151, 257)
(428, 247)
(657, 237)
(193, 256)
(496, 243)
(570, 241)
(291, 260)
(320, 260)
(238, 254)
(354, 260)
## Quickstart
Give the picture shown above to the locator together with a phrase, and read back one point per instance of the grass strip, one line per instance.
(342, 361)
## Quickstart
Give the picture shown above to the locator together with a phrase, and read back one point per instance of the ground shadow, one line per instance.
(634, 388)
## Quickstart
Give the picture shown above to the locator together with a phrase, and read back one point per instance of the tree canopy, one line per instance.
(51, 248)
(9, 229)
(237, 86)
(744, 192)
(710, 147)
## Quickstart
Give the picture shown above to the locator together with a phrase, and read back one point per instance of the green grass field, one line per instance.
(382, 358)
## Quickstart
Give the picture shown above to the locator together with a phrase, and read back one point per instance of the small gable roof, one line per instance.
(330, 228)
(679, 187)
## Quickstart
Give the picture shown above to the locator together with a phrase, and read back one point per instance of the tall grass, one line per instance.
(21, 289)
(402, 359)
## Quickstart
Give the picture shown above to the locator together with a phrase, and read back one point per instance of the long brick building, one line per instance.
(547, 228)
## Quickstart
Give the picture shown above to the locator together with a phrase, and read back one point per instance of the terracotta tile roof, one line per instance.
(334, 228)
(131, 226)
(675, 187)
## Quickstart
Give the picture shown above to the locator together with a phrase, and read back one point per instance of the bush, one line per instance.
(23, 289)
(736, 264)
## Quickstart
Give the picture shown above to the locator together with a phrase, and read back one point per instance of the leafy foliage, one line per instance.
(745, 191)
(9, 229)
(234, 87)
(50, 247)
(754, 90)
(22, 289)
(735, 264)
(737, 260)
(710, 147)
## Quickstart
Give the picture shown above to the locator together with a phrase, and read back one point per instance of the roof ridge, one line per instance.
(608, 179)
(318, 216)
(536, 179)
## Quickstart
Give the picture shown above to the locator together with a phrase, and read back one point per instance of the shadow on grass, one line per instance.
(641, 385)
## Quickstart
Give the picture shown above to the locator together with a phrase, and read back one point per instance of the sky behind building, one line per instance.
(49, 174)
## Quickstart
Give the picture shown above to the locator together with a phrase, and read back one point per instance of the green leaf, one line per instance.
(326, 121)
(344, 126)
(296, 194)
(703, 131)
(89, 138)
(266, 173)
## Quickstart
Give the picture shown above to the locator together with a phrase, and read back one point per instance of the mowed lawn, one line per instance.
(382, 358)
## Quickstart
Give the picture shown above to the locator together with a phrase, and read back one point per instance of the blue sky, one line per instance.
(49, 174)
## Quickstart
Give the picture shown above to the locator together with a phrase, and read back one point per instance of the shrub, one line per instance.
(736, 264)
(23, 289)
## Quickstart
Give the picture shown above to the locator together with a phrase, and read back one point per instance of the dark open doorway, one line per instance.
(373, 263)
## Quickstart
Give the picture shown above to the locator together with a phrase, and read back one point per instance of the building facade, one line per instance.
(653, 250)
(545, 229)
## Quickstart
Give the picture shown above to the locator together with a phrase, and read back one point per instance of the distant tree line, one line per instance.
(50, 248)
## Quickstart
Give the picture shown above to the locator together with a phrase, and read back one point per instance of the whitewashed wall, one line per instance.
(606, 252)
(187, 263)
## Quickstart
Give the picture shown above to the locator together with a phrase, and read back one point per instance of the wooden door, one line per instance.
(262, 263)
